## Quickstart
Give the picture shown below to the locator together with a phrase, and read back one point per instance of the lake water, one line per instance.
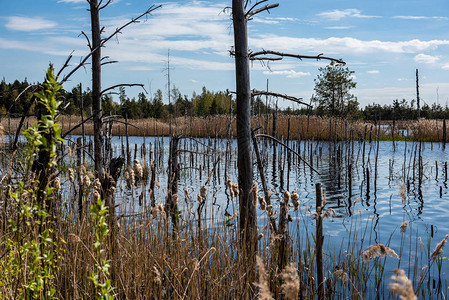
(366, 200)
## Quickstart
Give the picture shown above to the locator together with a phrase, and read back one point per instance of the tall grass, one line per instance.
(303, 127)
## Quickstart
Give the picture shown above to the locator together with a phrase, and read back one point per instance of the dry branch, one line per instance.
(256, 56)
(255, 92)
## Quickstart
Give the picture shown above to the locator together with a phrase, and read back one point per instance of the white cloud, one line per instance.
(338, 14)
(445, 67)
(402, 79)
(421, 18)
(373, 72)
(29, 24)
(338, 27)
(426, 59)
(334, 45)
(288, 73)
(193, 81)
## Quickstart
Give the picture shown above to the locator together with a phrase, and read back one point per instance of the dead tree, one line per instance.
(247, 209)
(243, 90)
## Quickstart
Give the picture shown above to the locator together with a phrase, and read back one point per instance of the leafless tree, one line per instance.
(241, 14)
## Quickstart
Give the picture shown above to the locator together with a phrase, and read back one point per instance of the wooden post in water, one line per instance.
(319, 243)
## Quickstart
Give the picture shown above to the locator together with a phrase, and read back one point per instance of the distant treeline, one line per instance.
(204, 104)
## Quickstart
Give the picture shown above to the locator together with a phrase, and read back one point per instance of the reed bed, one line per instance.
(295, 127)
(152, 261)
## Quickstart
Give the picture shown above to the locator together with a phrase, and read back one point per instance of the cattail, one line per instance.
(229, 183)
(286, 197)
(97, 185)
(259, 236)
(262, 203)
(71, 175)
(186, 196)
(269, 209)
(96, 196)
(263, 284)
(137, 168)
(132, 179)
(57, 184)
(203, 192)
(91, 175)
(438, 252)
(378, 250)
(291, 284)
(235, 189)
(295, 200)
(199, 198)
(69, 151)
(404, 226)
(175, 199)
(254, 191)
(402, 286)
(86, 180)
(156, 183)
(81, 170)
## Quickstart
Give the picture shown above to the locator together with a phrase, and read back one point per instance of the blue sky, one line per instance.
(382, 41)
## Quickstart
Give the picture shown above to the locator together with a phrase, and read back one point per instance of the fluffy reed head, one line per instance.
(438, 251)
(255, 191)
(290, 286)
(341, 275)
(378, 250)
(401, 286)
(263, 283)
(158, 210)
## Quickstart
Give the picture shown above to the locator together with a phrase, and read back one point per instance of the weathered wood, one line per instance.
(319, 242)
(247, 218)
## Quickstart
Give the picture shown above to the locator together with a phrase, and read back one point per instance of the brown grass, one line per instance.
(303, 127)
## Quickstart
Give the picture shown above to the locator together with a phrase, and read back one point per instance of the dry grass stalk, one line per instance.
(378, 250)
(438, 252)
(402, 192)
(402, 286)
(263, 284)
(329, 212)
(290, 286)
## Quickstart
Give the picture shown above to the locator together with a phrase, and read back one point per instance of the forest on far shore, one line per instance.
(204, 104)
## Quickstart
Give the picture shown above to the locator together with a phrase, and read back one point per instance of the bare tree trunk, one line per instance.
(244, 162)
(96, 88)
